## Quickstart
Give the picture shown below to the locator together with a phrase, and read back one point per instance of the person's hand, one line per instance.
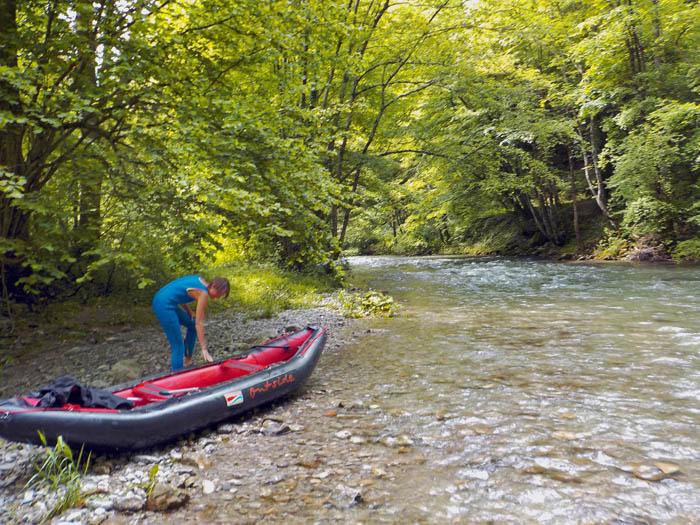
(207, 356)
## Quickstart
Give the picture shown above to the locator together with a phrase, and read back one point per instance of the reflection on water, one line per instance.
(537, 391)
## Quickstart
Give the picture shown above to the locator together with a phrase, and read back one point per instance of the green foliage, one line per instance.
(613, 247)
(367, 304)
(265, 290)
(648, 216)
(170, 138)
(686, 251)
(492, 234)
(411, 244)
(656, 168)
(60, 469)
(556, 87)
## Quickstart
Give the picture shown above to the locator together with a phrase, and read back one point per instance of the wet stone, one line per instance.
(275, 479)
(345, 497)
(131, 502)
(199, 461)
(564, 435)
(144, 459)
(273, 428)
(651, 472)
(99, 501)
(164, 498)
(226, 429)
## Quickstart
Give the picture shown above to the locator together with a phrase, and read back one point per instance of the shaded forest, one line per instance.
(141, 139)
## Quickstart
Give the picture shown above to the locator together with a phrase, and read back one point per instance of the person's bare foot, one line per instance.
(188, 360)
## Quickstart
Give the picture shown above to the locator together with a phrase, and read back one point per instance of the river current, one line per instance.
(534, 391)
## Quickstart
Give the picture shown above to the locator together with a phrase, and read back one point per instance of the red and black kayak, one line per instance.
(168, 406)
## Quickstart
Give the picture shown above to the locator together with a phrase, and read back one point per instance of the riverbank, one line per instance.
(199, 472)
(508, 234)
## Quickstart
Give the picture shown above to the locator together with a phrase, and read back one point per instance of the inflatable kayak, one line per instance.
(159, 409)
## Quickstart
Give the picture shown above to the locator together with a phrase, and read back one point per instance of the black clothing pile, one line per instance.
(66, 389)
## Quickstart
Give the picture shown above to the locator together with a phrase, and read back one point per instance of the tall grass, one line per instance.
(263, 291)
(60, 468)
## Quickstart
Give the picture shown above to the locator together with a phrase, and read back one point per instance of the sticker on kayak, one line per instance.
(234, 398)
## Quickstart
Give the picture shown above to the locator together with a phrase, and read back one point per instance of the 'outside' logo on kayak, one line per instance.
(276, 382)
(233, 398)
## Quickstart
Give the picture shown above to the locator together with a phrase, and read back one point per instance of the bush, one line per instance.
(687, 251)
(369, 304)
(648, 216)
(613, 247)
(410, 245)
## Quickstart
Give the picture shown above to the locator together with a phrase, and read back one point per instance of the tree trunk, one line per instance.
(527, 204)
(14, 222)
(552, 207)
(574, 200)
(91, 180)
(598, 190)
(544, 217)
(12, 225)
(656, 25)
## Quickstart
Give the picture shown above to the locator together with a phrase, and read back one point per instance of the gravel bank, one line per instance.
(276, 463)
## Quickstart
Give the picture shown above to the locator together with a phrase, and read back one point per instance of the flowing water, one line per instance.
(535, 392)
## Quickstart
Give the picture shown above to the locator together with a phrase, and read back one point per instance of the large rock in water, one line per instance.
(126, 370)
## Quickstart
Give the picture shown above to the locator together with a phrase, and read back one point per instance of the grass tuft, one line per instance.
(60, 468)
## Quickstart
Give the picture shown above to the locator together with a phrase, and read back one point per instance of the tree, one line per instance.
(139, 131)
(383, 65)
(69, 96)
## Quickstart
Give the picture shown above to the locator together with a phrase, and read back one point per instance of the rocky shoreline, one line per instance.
(276, 463)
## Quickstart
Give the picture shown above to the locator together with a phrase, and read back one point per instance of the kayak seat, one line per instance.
(286, 348)
(153, 392)
(239, 365)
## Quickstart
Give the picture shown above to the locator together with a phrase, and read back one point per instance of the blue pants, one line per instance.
(171, 319)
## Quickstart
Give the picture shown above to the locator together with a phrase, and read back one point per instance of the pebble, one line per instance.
(208, 486)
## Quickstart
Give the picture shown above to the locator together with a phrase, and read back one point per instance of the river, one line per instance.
(527, 391)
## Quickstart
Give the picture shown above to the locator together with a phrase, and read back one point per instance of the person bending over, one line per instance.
(171, 306)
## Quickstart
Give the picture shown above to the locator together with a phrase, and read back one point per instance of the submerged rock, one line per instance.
(651, 472)
(274, 428)
(345, 497)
